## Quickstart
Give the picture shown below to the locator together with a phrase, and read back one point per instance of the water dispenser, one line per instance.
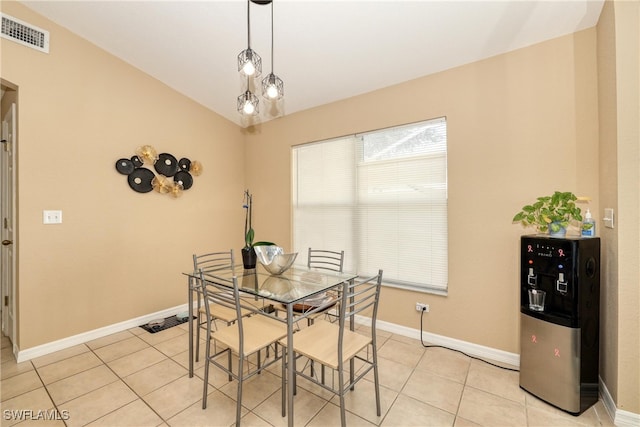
(559, 320)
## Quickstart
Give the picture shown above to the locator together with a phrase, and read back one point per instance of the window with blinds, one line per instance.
(381, 197)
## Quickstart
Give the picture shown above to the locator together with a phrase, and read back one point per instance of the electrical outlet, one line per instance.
(52, 217)
(422, 307)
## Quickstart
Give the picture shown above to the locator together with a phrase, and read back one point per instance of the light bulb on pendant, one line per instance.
(272, 87)
(249, 63)
(248, 103)
(248, 108)
(249, 69)
(272, 92)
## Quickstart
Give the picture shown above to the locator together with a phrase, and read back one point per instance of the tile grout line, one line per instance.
(46, 389)
(105, 364)
(126, 384)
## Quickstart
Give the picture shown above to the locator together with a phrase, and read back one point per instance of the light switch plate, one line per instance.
(52, 217)
(608, 217)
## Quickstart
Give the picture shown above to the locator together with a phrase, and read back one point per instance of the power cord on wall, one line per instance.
(453, 349)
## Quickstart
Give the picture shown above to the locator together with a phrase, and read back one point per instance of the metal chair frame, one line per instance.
(325, 259)
(313, 342)
(209, 263)
(245, 337)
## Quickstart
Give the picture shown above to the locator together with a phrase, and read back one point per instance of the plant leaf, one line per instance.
(248, 238)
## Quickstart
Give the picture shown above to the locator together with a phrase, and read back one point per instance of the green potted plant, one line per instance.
(248, 253)
(550, 213)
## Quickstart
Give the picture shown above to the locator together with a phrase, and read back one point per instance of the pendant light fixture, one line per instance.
(249, 62)
(248, 102)
(272, 85)
(250, 66)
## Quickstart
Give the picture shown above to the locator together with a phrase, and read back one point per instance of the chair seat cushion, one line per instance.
(320, 343)
(259, 332)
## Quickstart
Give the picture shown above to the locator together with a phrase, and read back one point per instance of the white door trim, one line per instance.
(7, 225)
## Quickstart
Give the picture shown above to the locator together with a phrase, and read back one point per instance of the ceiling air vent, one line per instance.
(26, 34)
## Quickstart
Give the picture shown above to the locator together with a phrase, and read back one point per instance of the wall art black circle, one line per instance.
(183, 178)
(184, 164)
(137, 161)
(166, 164)
(124, 166)
(140, 180)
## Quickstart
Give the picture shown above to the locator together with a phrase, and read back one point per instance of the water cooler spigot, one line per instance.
(532, 279)
(561, 285)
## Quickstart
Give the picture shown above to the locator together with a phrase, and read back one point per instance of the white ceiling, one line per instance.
(324, 50)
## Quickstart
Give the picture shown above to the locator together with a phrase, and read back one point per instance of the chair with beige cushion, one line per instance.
(333, 345)
(243, 338)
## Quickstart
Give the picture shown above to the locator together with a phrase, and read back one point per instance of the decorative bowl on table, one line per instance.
(273, 258)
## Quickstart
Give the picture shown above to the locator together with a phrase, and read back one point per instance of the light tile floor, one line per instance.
(134, 378)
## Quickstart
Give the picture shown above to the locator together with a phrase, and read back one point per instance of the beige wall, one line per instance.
(118, 254)
(609, 197)
(627, 19)
(520, 125)
(619, 109)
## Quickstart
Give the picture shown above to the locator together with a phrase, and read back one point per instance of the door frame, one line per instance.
(9, 230)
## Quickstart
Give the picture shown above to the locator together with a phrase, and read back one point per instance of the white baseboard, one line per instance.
(84, 337)
(607, 400)
(466, 347)
(624, 418)
(620, 417)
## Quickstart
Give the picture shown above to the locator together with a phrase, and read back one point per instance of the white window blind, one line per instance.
(382, 198)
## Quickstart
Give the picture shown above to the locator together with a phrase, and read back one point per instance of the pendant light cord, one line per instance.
(248, 25)
(272, 67)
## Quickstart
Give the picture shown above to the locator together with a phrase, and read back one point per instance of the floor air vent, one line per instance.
(26, 34)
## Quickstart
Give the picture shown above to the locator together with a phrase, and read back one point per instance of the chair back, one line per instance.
(325, 260)
(223, 292)
(360, 295)
(213, 261)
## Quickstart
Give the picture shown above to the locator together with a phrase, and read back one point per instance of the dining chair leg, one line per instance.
(284, 381)
(352, 367)
(239, 397)
(343, 416)
(375, 378)
(229, 363)
(206, 379)
(295, 377)
(198, 338)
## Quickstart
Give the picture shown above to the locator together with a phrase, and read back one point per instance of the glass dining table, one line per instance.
(299, 291)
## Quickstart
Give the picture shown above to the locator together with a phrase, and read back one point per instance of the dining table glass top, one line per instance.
(297, 284)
